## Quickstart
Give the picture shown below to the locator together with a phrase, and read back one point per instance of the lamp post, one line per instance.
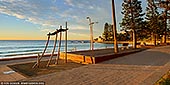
(91, 38)
(91, 33)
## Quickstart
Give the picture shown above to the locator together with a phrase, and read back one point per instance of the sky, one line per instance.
(33, 19)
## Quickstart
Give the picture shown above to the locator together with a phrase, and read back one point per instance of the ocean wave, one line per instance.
(26, 47)
(18, 51)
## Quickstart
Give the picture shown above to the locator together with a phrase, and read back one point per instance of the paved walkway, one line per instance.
(7, 74)
(143, 68)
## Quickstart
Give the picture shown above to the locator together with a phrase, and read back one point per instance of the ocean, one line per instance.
(24, 48)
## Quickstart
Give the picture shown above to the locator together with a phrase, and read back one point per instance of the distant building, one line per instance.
(99, 39)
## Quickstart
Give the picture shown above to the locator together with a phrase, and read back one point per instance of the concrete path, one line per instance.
(143, 68)
(7, 74)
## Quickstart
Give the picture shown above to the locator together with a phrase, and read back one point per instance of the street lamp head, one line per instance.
(88, 17)
(94, 22)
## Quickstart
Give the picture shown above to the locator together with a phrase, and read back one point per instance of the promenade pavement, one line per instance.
(143, 68)
(7, 74)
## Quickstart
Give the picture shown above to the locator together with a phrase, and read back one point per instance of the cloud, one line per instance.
(78, 27)
(19, 16)
(49, 14)
(69, 2)
(10, 0)
(23, 9)
(78, 34)
(46, 30)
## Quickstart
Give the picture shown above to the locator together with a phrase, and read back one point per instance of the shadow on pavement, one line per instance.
(148, 57)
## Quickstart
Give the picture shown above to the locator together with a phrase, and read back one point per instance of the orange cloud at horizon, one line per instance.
(39, 37)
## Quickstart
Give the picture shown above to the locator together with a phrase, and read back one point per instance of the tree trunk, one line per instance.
(114, 28)
(164, 38)
(154, 39)
(165, 23)
(134, 38)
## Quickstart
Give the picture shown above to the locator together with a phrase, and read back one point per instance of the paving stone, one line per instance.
(143, 68)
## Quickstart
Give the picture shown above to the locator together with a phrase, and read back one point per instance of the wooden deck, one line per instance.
(100, 55)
